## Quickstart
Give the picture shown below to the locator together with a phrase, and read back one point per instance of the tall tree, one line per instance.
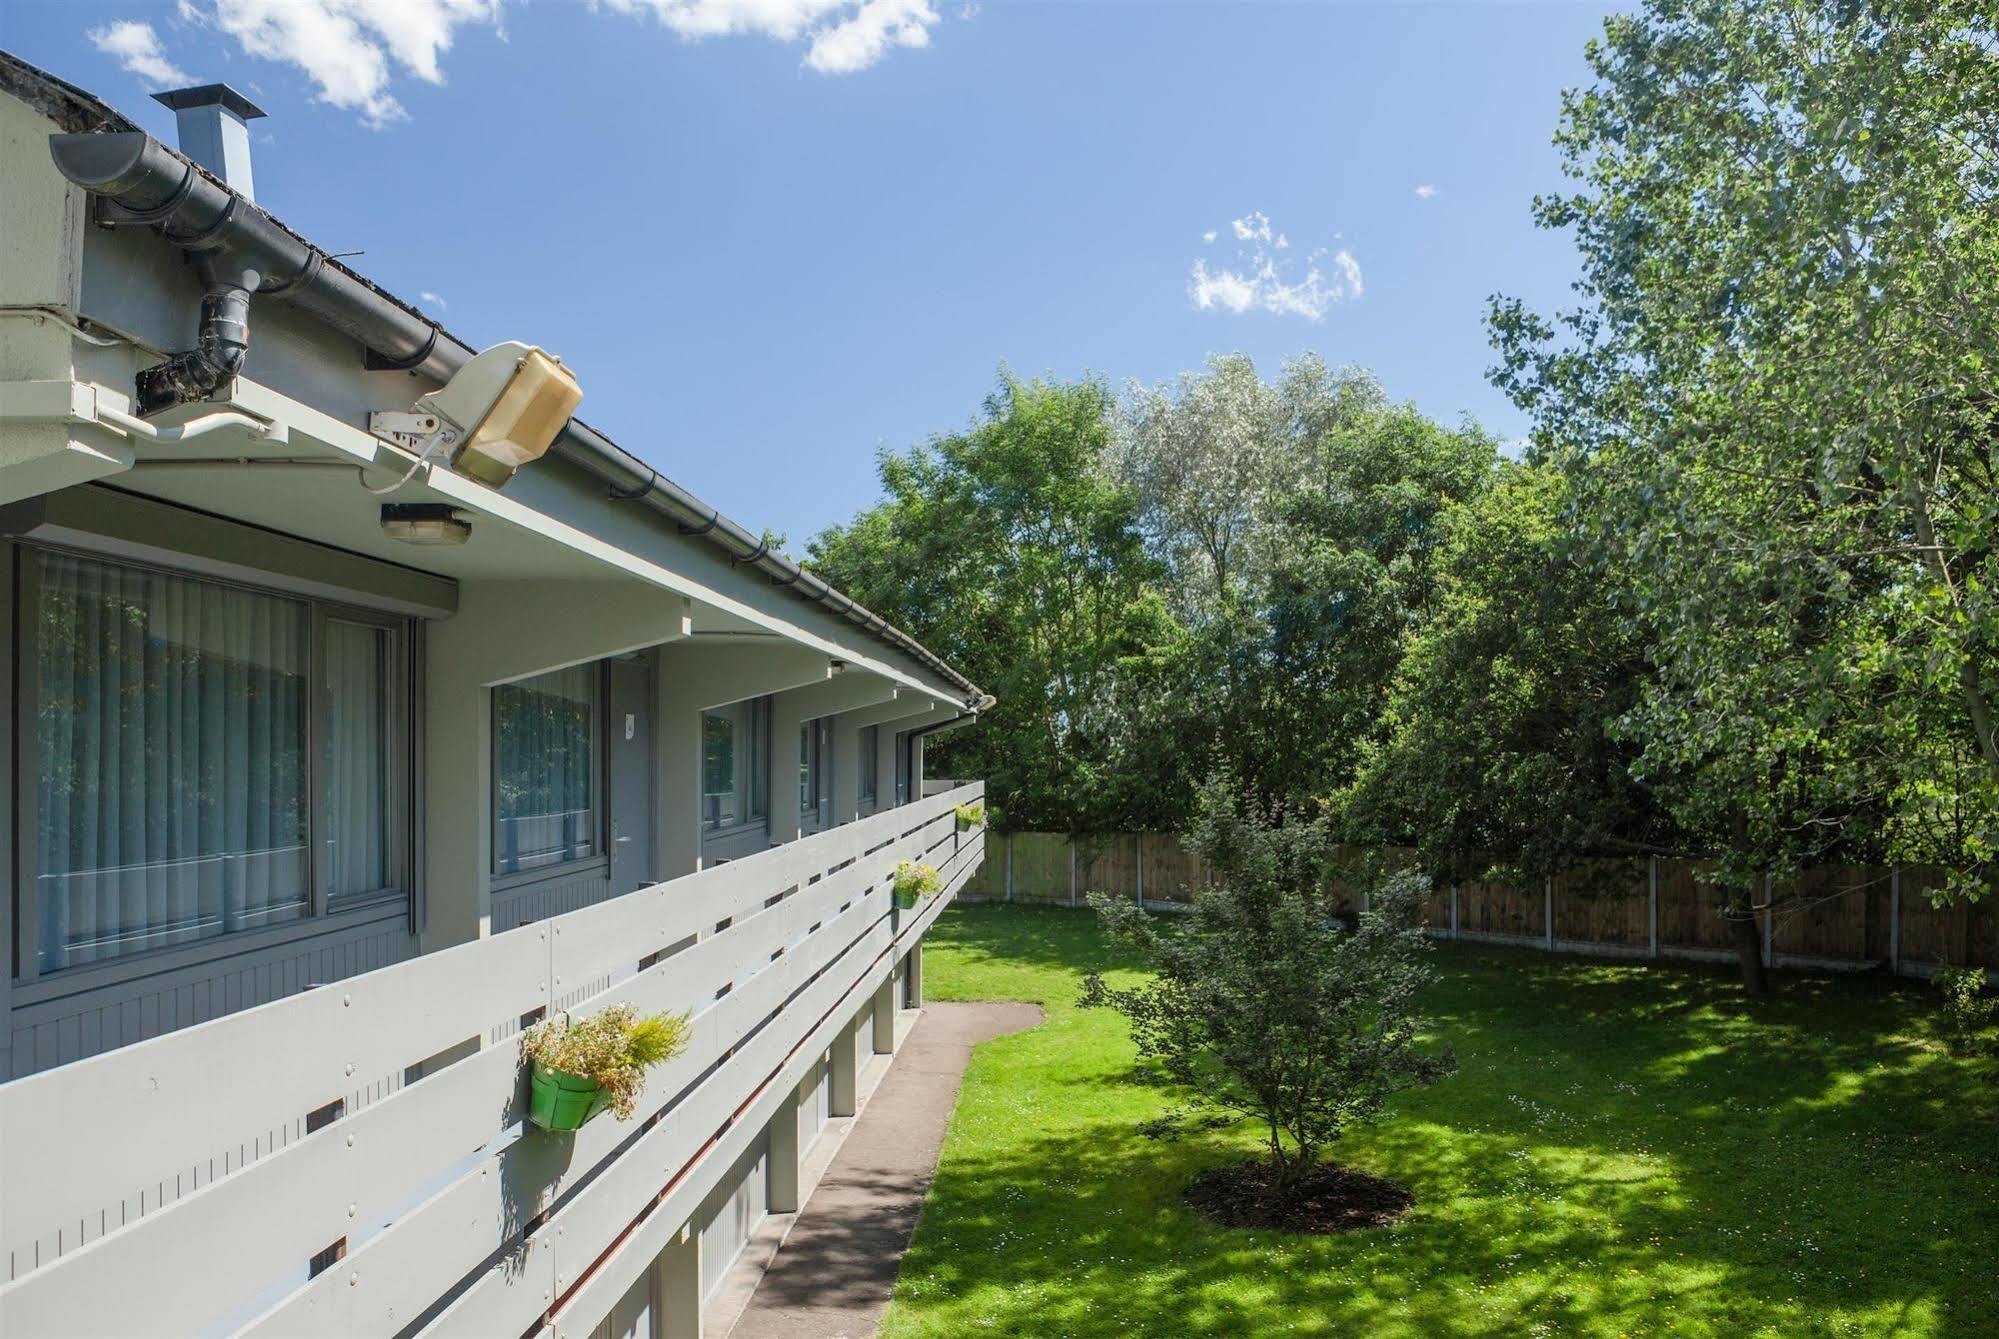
(1776, 404)
(1499, 749)
(1010, 550)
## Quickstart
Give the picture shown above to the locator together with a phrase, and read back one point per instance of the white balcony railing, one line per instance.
(230, 1177)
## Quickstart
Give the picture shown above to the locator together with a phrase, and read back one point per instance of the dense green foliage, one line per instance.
(1008, 551)
(1740, 598)
(1776, 403)
(1262, 1005)
(1625, 1150)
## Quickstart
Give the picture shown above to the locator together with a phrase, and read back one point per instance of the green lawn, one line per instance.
(1624, 1151)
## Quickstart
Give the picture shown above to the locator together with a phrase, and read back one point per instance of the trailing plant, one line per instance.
(1969, 1013)
(915, 881)
(970, 815)
(612, 1048)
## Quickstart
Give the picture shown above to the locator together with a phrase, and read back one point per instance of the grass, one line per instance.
(1625, 1150)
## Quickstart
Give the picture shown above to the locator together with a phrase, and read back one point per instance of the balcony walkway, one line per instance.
(833, 1273)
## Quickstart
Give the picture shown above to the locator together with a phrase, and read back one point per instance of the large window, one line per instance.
(735, 744)
(545, 770)
(176, 796)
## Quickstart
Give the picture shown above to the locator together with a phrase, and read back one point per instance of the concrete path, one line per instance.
(832, 1277)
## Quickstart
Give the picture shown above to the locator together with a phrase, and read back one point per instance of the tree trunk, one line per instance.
(1749, 949)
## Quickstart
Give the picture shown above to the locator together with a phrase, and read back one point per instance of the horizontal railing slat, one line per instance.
(181, 1269)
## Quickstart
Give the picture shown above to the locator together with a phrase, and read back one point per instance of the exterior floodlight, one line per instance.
(497, 413)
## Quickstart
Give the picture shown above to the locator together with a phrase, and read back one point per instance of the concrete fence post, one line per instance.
(1009, 867)
(1895, 921)
(1072, 870)
(786, 1157)
(846, 1073)
(1769, 922)
(1138, 843)
(1652, 920)
(1454, 911)
(677, 1287)
(1548, 912)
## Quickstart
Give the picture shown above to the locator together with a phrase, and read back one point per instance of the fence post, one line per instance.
(1072, 869)
(1548, 911)
(1138, 840)
(1454, 911)
(1009, 867)
(1652, 925)
(1895, 921)
(1769, 921)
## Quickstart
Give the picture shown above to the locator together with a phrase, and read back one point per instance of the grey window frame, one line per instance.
(870, 740)
(758, 752)
(23, 592)
(600, 790)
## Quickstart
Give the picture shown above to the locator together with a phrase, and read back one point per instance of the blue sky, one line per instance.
(771, 236)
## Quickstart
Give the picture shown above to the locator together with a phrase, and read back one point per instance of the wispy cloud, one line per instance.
(138, 49)
(1262, 279)
(433, 300)
(355, 51)
(1425, 191)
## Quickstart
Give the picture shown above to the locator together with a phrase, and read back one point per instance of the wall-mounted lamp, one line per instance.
(497, 413)
(425, 523)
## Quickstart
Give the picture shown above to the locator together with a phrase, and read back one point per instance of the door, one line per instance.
(631, 775)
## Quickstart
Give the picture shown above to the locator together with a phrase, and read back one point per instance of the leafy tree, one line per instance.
(1498, 747)
(1010, 550)
(1776, 407)
(1353, 578)
(1266, 1007)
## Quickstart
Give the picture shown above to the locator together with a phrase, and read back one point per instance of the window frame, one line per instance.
(23, 597)
(756, 757)
(600, 789)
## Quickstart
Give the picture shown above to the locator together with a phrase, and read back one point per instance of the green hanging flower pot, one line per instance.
(564, 1101)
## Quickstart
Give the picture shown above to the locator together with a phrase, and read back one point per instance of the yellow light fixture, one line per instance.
(504, 408)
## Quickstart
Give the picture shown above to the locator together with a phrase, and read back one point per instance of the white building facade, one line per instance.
(335, 758)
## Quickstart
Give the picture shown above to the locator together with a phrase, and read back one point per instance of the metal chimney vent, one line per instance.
(212, 132)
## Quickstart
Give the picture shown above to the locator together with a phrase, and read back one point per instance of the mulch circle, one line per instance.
(1332, 1199)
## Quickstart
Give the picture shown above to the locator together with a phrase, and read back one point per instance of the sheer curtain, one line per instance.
(170, 759)
(543, 764)
(354, 809)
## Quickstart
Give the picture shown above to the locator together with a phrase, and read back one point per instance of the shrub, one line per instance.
(613, 1048)
(1265, 1007)
(1968, 1012)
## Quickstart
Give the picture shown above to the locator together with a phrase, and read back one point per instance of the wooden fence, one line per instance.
(1847, 917)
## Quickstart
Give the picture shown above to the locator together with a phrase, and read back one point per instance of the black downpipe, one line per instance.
(244, 252)
(224, 344)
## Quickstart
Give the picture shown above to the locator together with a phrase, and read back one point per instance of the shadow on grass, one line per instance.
(1626, 1149)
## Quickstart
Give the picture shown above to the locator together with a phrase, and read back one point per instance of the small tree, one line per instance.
(1266, 1006)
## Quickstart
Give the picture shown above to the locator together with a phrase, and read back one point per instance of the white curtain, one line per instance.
(543, 768)
(354, 815)
(170, 760)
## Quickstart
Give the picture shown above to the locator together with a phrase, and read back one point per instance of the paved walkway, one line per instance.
(832, 1277)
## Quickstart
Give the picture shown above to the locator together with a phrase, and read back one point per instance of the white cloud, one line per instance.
(1425, 191)
(138, 49)
(354, 50)
(433, 299)
(1209, 236)
(843, 35)
(1262, 280)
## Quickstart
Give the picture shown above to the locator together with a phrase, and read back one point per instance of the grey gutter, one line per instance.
(149, 185)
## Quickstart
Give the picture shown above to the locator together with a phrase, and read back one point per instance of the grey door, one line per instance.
(631, 775)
